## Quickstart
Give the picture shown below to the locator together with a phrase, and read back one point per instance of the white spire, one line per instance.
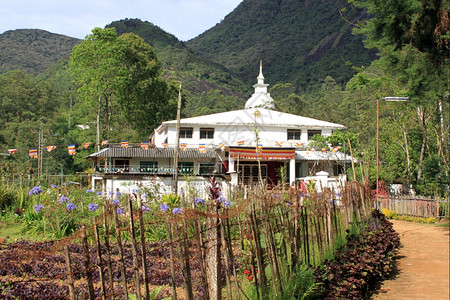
(260, 76)
(260, 98)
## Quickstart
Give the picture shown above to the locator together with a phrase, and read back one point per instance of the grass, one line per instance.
(12, 229)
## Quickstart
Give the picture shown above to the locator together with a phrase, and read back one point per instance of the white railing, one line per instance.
(161, 169)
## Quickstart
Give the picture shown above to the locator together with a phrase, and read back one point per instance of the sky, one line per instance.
(185, 19)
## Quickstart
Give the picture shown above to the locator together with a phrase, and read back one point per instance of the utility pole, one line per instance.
(177, 146)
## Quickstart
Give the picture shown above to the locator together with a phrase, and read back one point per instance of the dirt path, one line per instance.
(423, 264)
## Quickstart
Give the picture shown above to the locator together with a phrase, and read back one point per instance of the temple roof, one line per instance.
(267, 117)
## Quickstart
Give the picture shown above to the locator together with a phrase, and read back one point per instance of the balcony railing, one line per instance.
(216, 168)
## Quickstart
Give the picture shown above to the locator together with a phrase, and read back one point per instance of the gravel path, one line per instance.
(423, 264)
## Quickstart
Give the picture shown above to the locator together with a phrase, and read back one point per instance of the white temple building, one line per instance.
(228, 145)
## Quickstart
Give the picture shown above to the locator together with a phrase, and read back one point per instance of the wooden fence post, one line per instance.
(213, 266)
(108, 248)
(143, 248)
(134, 250)
(70, 278)
(121, 262)
(87, 263)
(99, 260)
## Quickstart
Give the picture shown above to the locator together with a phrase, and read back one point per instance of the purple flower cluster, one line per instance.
(116, 202)
(227, 204)
(120, 210)
(145, 208)
(164, 207)
(221, 199)
(35, 191)
(63, 199)
(99, 193)
(71, 206)
(38, 207)
(176, 211)
(93, 207)
(89, 191)
(53, 186)
(199, 201)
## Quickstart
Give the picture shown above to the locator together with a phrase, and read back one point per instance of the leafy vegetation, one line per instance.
(33, 50)
(296, 49)
(367, 258)
(290, 38)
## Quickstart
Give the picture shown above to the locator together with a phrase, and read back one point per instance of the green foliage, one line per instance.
(393, 215)
(32, 50)
(290, 38)
(6, 198)
(121, 74)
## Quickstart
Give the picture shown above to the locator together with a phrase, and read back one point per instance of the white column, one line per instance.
(230, 164)
(292, 171)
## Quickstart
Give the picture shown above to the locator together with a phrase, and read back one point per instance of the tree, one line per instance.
(412, 38)
(286, 100)
(118, 77)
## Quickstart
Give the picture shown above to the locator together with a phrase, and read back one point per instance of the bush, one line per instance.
(366, 259)
(389, 214)
(6, 198)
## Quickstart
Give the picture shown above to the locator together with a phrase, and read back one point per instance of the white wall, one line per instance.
(231, 134)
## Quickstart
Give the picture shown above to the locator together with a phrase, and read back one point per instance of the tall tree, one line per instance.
(118, 77)
(412, 38)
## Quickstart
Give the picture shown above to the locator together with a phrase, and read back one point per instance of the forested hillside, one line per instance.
(300, 42)
(308, 55)
(200, 77)
(33, 50)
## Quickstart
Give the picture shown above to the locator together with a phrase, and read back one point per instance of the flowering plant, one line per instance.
(71, 206)
(35, 191)
(38, 207)
(93, 207)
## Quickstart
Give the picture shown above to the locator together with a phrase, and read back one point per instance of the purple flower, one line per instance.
(71, 206)
(276, 196)
(35, 191)
(199, 201)
(53, 186)
(144, 196)
(221, 199)
(99, 193)
(227, 204)
(38, 207)
(93, 207)
(110, 193)
(63, 199)
(116, 202)
(89, 191)
(338, 194)
(118, 194)
(176, 211)
(164, 207)
(145, 208)
(120, 210)
(288, 203)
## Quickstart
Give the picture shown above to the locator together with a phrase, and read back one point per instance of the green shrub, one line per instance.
(7, 198)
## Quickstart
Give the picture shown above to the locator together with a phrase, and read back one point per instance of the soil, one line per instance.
(422, 266)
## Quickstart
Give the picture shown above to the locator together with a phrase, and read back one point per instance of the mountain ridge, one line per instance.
(33, 50)
(290, 37)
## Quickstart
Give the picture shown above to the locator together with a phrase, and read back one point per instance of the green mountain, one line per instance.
(197, 73)
(299, 41)
(33, 50)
